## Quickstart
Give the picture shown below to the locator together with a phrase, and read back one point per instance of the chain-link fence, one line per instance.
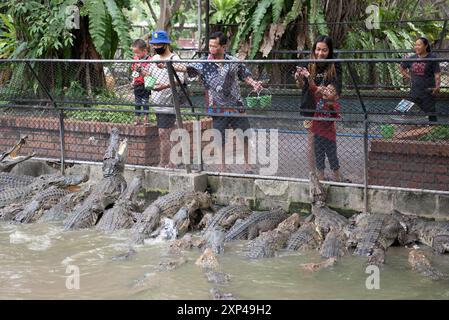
(359, 121)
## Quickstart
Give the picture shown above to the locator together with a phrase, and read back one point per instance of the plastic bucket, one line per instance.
(387, 131)
(149, 82)
(252, 102)
(265, 101)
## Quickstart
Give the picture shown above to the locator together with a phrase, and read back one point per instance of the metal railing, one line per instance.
(373, 143)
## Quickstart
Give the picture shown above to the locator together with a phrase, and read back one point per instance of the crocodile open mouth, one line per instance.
(122, 149)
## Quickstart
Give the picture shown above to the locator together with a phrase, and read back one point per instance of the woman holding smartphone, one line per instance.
(320, 74)
(425, 77)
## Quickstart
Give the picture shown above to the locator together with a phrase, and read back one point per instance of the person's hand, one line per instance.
(435, 90)
(159, 87)
(257, 86)
(301, 72)
(298, 73)
(161, 65)
(138, 68)
(320, 90)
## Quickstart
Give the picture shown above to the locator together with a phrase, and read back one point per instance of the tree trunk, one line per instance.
(342, 11)
(90, 75)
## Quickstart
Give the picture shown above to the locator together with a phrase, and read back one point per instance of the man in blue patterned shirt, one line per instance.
(223, 92)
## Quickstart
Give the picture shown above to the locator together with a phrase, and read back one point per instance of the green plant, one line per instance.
(226, 11)
(8, 42)
(437, 133)
(108, 27)
(90, 114)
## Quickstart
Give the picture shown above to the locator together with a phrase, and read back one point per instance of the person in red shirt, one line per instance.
(141, 95)
(324, 131)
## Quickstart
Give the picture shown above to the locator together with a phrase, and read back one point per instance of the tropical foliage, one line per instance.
(42, 31)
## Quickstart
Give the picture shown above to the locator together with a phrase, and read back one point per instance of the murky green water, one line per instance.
(36, 260)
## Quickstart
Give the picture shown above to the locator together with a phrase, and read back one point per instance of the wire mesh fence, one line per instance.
(353, 120)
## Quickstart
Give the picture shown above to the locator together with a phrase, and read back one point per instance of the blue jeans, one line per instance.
(142, 98)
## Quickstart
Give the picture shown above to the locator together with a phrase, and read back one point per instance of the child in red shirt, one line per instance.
(324, 132)
(141, 95)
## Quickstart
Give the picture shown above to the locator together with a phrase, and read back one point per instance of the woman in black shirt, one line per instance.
(424, 76)
(322, 74)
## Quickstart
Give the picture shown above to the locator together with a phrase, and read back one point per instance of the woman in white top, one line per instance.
(162, 94)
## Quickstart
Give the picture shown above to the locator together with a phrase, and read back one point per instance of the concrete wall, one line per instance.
(263, 194)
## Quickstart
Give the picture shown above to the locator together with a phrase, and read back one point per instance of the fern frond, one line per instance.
(98, 19)
(260, 13)
(120, 24)
(278, 6)
(257, 36)
(294, 12)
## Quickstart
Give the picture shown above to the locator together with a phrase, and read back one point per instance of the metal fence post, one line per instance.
(179, 124)
(198, 120)
(365, 140)
(61, 116)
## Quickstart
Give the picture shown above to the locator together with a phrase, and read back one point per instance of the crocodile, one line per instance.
(421, 264)
(121, 216)
(9, 159)
(208, 260)
(167, 232)
(178, 245)
(182, 221)
(40, 202)
(211, 268)
(22, 195)
(60, 211)
(172, 263)
(377, 256)
(125, 256)
(329, 224)
(108, 189)
(168, 206)
(305, 238)
(333, 245)
(317, 191)
(218, 295)
(205, 220)
(9, 180)
(325, 218)
(47, 198)
(320, 265)
(255, 224)
(376, 231)
(214, 239)
(434, 234)
(217, 277)
(226, 217)
(269, 243)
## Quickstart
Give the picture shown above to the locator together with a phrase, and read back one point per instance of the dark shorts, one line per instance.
(325, 147)
(426, 102)
(165, 120)
(142, 98)
(221, 123)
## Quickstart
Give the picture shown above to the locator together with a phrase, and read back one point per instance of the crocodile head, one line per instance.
(14, 150)
(116, 155)
(204, 200)
(317, 191)
(9, 159)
